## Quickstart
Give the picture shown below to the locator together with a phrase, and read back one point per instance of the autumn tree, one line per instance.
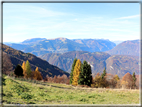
(55, 79)
(65, 78)
(24, 69)
(85, 77)
(127, 80)
(137, 81)
(76, 72)
(97, 80)
(116, 80)
(109, 80)
(28, 69)
(37, 74)
(71, 74)
(18, 70)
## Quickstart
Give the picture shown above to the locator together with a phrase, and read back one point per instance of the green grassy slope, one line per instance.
(23, 92)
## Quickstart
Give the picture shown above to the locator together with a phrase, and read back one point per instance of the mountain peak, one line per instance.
(33, 40)
(60, 38)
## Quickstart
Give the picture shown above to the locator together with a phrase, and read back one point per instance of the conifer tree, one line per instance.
(134, 79)
(85, 77)
(71, 74)
(76, 72)
(104, 73)
(28, 69)
(24, 69)
(18, 70)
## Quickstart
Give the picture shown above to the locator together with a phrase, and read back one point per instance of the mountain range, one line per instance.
(17, 57)
(114, 64)
(117, 59)
(41, 46)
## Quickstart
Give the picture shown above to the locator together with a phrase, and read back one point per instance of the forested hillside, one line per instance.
(17, 57)
(116, 64)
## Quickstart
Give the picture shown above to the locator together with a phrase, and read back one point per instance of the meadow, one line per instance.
(16, 91)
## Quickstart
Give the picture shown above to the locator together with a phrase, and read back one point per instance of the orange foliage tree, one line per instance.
(76, 72)
(37, 74)
(97, 80)
(24, 69)
(127, 81)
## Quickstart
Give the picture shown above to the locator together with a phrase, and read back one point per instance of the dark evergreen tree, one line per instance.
(71, 74)
(85, 77)
(134, 79)
(18, 70)
(104, 73)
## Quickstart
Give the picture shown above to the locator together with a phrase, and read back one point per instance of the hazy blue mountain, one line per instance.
(33, 40)
(40, 46)
(96, 45)
(126, 48)
(117, 42)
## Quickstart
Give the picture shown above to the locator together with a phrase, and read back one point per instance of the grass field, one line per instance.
(23, 92)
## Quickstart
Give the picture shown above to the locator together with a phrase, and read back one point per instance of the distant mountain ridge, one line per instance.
(17, 57)
(41, 46)
(34, 40)
(115, 64)
(126, 48)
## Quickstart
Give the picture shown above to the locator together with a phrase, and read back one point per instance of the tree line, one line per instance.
(26, 72)
(81, 75)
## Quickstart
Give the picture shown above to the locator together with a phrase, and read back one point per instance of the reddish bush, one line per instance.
(128, 80)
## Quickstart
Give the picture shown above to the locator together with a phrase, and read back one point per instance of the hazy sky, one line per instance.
(113, 21)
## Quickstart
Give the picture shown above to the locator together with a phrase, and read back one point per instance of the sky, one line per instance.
(113, 21)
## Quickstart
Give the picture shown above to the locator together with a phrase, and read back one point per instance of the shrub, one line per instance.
(26, 96)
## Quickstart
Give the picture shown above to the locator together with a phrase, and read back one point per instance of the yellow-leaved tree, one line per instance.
(37, 74)
(76, 72)
(24, 69)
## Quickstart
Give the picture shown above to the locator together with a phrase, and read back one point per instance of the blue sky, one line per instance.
(113, 21)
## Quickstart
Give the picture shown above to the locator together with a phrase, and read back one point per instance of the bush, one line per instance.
(26, 96)
(19, 89)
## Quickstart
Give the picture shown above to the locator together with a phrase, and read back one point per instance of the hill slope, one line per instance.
(41, 46)
(126, 48)
(97, 60)
(17, 57)
(121, 64)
